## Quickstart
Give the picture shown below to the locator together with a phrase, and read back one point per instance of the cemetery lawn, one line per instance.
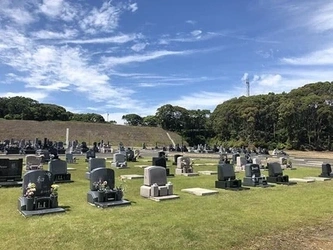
(255, 219)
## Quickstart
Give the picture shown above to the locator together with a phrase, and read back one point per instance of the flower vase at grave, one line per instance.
(119, 195)
(30, 204)
(101, 195)
(54, 200)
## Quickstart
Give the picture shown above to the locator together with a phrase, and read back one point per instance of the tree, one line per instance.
(150, 121)
(133, 119)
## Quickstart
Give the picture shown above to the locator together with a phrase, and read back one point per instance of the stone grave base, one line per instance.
(204, 164)
(233, 185)
(111, 203)
(11, 184)
(247, 181)
(199, 191)
(207, 172)
(42, 211)
(190, 174)
(132, 176)
(302, 180)
(163, 198)
(318, 178)
(325, 176)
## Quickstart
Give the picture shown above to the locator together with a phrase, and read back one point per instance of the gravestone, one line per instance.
(240, 163)
(90, 154)
(11, 172)
(70, 158)
(119, 161)
(175, 157)
(161, 162)
(226, 178)
(155, 185)
(40, 200)
(33, 162)
(185, 167)
(275, 174)
(95, 163)
(59, 170)
(326, 170)
(103, 192)
(253, 176)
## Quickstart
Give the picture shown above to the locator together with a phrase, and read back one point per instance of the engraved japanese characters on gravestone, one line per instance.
(275, 174)
(11, 172)
(40, 195)
(185, 167)
(58, 168)
(227, 178)
(161, 161)
(95, 163)
(155, 185)
(253, 176)
(119, 160)
(103, 192)
(326, 170)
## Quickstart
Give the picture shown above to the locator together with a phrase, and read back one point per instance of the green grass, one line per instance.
(228, 219)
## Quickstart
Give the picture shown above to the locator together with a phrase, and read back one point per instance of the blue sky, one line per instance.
(122, 57)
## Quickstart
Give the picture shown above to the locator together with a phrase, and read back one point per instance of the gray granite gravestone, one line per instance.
(155, 185)
(119, 160)
(161, 162)
(95, 163)
(275, 174)
(33, 162)
(185, 167)
(58, 168)
(107, 195)
(227, 178)
(42, 201)
(11, 172)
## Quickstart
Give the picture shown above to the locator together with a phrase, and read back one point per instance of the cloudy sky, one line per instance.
(122, 57)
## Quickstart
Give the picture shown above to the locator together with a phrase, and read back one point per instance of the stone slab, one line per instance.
(141, 166)
(302, 180)
(163, 198)
(71, 169)
(190, 174)
(319, 178)
(205, 164)
(207, 172)
(199, 191)
(111, 203)
(42, 211)
(132, 176)
(11, 184)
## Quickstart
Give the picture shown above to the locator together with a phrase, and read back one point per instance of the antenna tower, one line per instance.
(247, 82)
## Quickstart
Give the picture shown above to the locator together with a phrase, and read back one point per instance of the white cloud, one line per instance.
(321, 20)
(104, 19)
(245, 77)
(114, 39)
(267, 80)
(133, 7)
(16, 12)
(191, 22)
(47, 34)
(51, 7)
(321, 57)
(138, 47)
(36, 95)
(196, 32)
(113, 61)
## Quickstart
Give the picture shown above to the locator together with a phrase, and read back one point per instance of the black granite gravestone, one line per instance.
(59, 170)
(161, 162)
(227, 178)
(102, 189)
(326, 170)
(40, 201)
(11, 172)
(253, 177)
(275, 174)
(93, 164)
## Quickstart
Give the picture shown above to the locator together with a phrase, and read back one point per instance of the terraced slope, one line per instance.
(89, 132)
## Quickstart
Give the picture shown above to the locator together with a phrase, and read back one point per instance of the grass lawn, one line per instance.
(222, 221)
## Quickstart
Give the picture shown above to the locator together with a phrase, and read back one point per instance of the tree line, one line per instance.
(301, 119)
